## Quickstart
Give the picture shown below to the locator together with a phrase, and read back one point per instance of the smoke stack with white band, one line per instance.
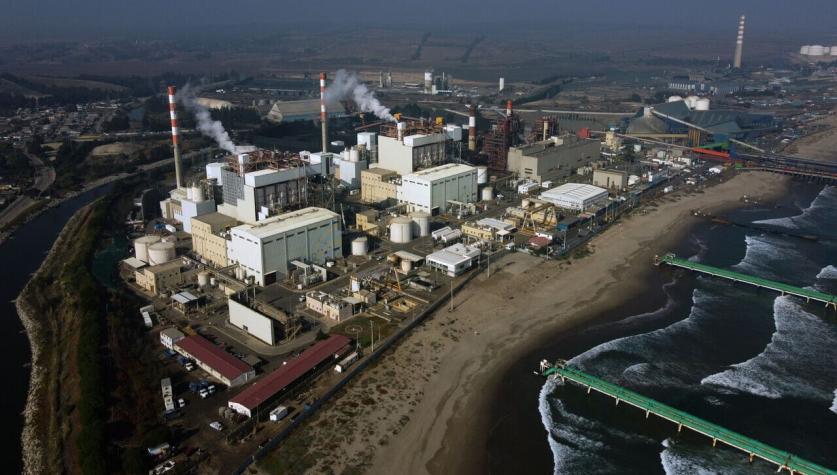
(739, 43)
(323, 113)
(472, 128)
(175, 132)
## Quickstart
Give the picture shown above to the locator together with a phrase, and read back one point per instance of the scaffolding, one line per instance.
(504, 133)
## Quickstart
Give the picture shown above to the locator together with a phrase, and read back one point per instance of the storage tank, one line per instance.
(674, 98)
(482, 175)
(421, 223)
(702, 104)
(169, 238)
(360, 246)
(834, 50)
(197, 193)
(406, 265)
(691, 101)
(203, 279)
(141, 246)
(806, 50)
(355, 283)
(816, 50)
(213, 282)
(401, 230)
(487, 194)
(160, 253)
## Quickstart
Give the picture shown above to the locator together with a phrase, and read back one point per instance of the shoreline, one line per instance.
(456, 439)
(32, 443)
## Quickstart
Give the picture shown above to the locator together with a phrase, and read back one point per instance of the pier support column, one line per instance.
(679, 428)
(714, 441)
(647, 413)
(751, 457)
(589, 388)
(617, 401)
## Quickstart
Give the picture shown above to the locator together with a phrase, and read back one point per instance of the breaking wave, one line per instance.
(825, 202)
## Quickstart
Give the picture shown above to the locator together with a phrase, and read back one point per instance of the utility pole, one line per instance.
(372, 332)
(451, 296)
(488, 267)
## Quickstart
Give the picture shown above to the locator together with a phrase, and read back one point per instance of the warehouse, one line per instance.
(610, 179)
(454, 260)
(264, 251)
(275, 383)
(556, 158)
(160, 278)
(430, 190)
(378, 184)
(576, 196)
(411, 153)
(214, 360)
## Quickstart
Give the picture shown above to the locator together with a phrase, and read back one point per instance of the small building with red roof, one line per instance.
(215, 360)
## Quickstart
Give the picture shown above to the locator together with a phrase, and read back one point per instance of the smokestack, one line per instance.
(472, 128)
(545, 128)
(399, 127)
(323, 113)
(509, 108)
(739, 43)
(174, 137)
(502, 85)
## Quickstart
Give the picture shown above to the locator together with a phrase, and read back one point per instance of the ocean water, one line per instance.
(753, 361)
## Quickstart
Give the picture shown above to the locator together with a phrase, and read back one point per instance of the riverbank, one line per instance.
(46, 425)
(426, 408)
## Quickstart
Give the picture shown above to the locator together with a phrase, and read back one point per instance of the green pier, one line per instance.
(807, 294)
(753, 448)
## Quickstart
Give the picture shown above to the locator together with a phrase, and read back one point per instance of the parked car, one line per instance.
(211, 389)
(216, 425)
(181, 403)
(162, 468)
(189, 366)
(203, 393)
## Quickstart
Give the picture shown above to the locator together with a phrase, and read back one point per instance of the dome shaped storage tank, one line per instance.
(806, 50)
(421, 223)
(816, 50)
(197, 193)
(160, 253)
(360, 246)
(482, 175)
(674, 98)
(141, 246)
(691, 101)
(406, 266)
(702, 104)
(834, 50)
(401, 230)
(203, 279)
(487, 193)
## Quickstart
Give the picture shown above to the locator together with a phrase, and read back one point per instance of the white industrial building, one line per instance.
(413, 152)
(349, 166)
(183, 204)
(430, 190)
(454, 260)
(253, 322)
(576, 196)
(265, 250)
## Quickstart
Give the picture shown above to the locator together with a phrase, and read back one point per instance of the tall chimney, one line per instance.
(174, 137)
(739, 43)
(509, 108)
(472, 128)
(323, 113)
(545, 129)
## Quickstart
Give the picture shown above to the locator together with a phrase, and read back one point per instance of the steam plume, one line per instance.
(346, 85)
(211, 128)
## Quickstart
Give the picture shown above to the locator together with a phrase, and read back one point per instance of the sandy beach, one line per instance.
(423, 408)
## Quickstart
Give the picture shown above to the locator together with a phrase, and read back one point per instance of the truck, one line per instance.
(345, 362)
(278, 413)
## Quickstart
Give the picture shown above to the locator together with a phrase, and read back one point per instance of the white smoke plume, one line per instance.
(346, 85)
(213, 129)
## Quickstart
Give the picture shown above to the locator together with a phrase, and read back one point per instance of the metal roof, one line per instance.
(575, 191)
(213, 356)
(271, 384)
(184, 297)
(442, 171)
(286, 222)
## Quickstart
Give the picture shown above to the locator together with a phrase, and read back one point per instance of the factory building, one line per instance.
(350, 166)
(265, 250)
(672, 118)
(610, 179)
(412, 152)
(214, 360)
(335, 308)
(183, 204)
(264, 322)
(552, 159)
(369, 142)
(170, 336)
(432, 189)
(488, 229)
(378, 184)
(301, 110)
(160, 278)
(454, 260)
(275, 384)
(576, 196)
(209, 237)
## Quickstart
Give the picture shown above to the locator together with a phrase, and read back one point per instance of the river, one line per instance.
(20, 257)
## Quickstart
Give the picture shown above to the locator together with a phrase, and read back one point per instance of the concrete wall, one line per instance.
(253, 322)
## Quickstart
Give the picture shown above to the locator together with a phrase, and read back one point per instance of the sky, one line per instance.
(42, 18)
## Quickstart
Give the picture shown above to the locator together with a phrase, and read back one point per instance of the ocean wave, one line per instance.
(828, 272)
(679, 458)
(833, 407)
(825, 201)
(798, 361)
(765, 255)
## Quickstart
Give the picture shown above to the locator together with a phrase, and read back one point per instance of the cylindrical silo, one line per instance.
(806, 50)
(406, 265)
(674, 98)
(203, 279)
(169, 238)
(487, 193)
(360, 246)
(160, 253)
(421, 223)
(702, 104)
(355, 283)
(691, 101)
(197, 193)
(141, 246)
(401, 230)
(834, 50)
(816, 50)
(482, 175)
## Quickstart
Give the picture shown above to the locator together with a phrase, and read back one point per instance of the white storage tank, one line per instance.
(421, 223)
(141, 246)
(355, 283)
(834, 50)
(487, 194)
(203, 279)
(197, 193)
(406, 266)
(169, 238)
(401, 230)
(674, 98)
(691, 101)
(482, 175)
(360, 246)
(816, 50)
(160, 253)
(702, 104)
(806, 49)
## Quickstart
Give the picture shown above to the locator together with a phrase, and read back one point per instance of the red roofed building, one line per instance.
(273, 384)
(214, 360)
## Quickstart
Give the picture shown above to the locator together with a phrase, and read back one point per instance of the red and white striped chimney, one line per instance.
(472, 128)
(509, 108)
(175, 132)
(323, 113)
(739, 43)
